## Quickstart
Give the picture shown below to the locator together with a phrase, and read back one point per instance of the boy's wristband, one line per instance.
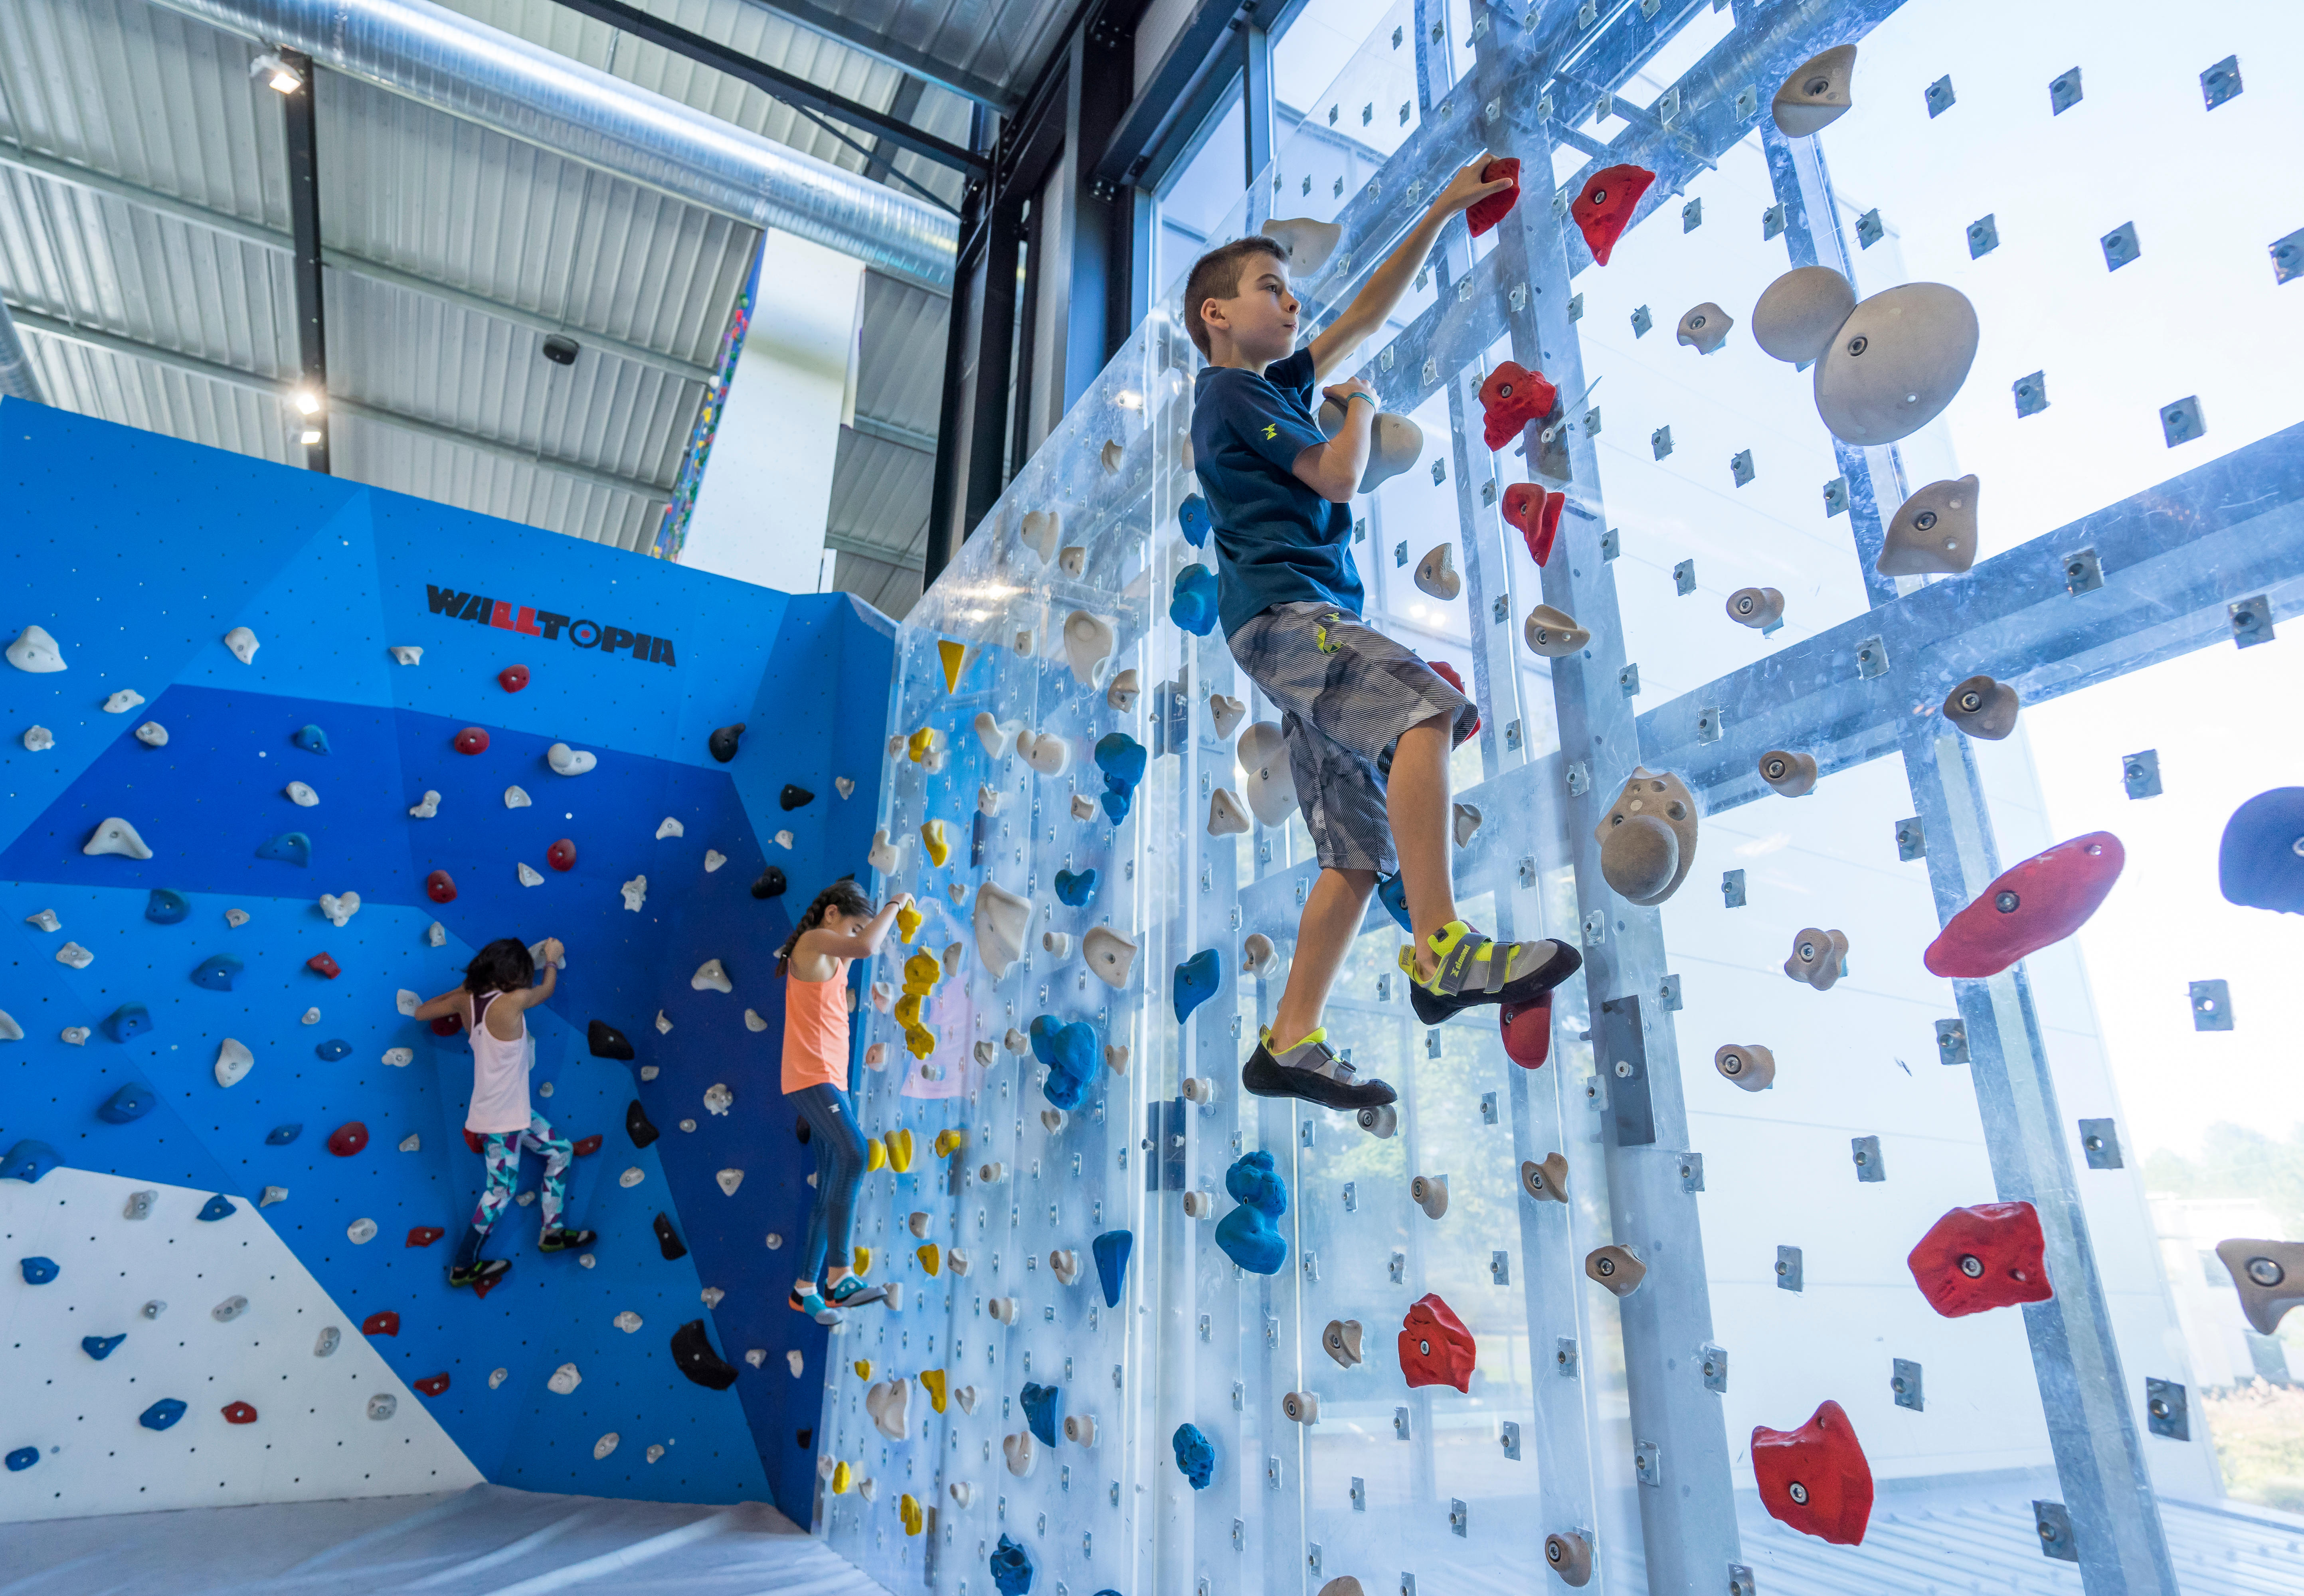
(1350, 397)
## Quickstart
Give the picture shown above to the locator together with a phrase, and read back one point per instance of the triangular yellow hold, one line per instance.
(956, 657)
(932, 1380)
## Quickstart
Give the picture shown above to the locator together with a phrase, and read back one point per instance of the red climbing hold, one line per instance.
(424, 1236)
(1537, 513)
(1447, 673)
(475, 1141)
(472, 740)
(1486, 213)
(432, 1385)
(1815, 1478)
(322, 964)
(488, 1283)
(2042, 901)
(513, 678)
(1976, 1259)
(239, 1413)
(447, 1025)
(1513, 398)
(1604, 208)
(561, 854)
(386, 1323)
(1528, 1031)
(587, 1146)
(1434, 1346)
(440, 887)
(348, 1138)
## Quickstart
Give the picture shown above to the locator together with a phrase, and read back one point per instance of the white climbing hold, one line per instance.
(1466, 821)
(413, 1142)
(574, 762)
(383, 1405)
(74, 955)
(718, 1099)
(1227, 713)
(1088, 642)
(1041, 530)
(753, 1022)
(794, 1361)
(1308, 240)
(635, 893)
(1271, 782)
(654, 1452)
(1052, 1120)
(1016, 1042)
(784, 838)
(243, 644)
(1257, 954)
(399, 1058)
(301, 795)
(39, 740)
(730, 1179)
(437, 935)
(235, 917)
(312, 1017)
(1046, 753)
(516, 799)
(957, 891)
(712, 860)
(994, 734)
(10, 1031)
(35, 651)
(115, 835)
(340, 907)
(497, 1376)
(139, 1207)
(155, 1308)
(966, 1397)
(1056, 943)
(406, 654)
(232, 1061)
(426, 809)
(756, 1356)
(123, 701)
(564, 1380)
(228, 1310)
(663, 1026)
(876, 1056)
(273, 1194)
(45, 920)
(884, 855)
(631, 1178)
(775, 1241)
(536, 956)
(360, 1232)
(649, 1072)
(1110, 956)
(958, 1261)
(991, 1174)
(712, 1296)
(845, 786)
(669, 828)
(605, 1445)
(1435, 573)
(1071, 560)
(407, 1001)
(1001, 920)
(76, 1035)
(710, 977)
(1082, 808)
(889, 1402)
(1115, 1057)
(152, 735)
(1227, 818)
(528, 875)
(627, 1321)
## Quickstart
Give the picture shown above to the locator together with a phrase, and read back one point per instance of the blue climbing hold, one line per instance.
(1196, 1457)
(1068, 1050)
(1011, 1570)
(279, 1136)
(100, 1347)
(1391, 892)
(1043, 1411)
(1122, 759)
(1193, 605)
(23, 1458)
(1111, 1250)
(161, 1413)
(1116, 806)
(1247, 1235)
(2258, 865)
(1197, 980)
(311, 739)
(218, 1209)
(132, 1102)
(39, 1271)
(129, 1019)
(1192, 514)
(290, 848)
(166, 906)
(28, 1161)
(1073, 890)
(334, 1049)
(216, 972)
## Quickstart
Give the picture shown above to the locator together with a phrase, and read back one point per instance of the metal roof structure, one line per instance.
(147, 254)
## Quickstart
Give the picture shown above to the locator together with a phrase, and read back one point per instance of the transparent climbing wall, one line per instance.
(1772, 1226)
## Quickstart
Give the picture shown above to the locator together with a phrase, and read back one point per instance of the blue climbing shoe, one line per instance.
(850, 1291)
(814, 1307)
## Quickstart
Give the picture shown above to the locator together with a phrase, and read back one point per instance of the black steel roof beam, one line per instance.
(304, 226)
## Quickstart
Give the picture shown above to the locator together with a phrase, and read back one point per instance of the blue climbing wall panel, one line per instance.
(138, 554)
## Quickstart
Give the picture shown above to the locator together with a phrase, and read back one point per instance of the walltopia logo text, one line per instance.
(530, 621)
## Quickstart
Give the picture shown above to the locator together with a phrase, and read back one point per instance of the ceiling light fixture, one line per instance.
(310, 438)
(308, 401)
(284, 79)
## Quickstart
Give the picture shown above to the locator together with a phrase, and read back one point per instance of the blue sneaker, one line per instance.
(814, 1307)
(850, 1291)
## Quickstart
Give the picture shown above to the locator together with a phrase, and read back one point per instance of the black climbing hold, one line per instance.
(279, 1136)
(691, 1349)
(723, 742)
(607, 1042)
(806, 1438)
(800, 1128)
(637, 1126)
(771, 883)
(795, 797)
(668, 1239)
(132, 1102)
(100, 1347)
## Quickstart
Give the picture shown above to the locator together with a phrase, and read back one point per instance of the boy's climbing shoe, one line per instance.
(485, 1272)
(1312, 1071)
(566, 1241)
(851, 1292)
(814, 1307)
(1472, 969)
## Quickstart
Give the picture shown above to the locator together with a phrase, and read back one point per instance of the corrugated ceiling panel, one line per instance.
(880, 495)
(428, 467)
(137, 394)
(1003, 40)
(900, 373)
(891, 590)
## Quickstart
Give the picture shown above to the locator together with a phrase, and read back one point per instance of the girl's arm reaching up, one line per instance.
(861, 942)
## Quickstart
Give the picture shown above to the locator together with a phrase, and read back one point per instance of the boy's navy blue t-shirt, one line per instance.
(1277, 541)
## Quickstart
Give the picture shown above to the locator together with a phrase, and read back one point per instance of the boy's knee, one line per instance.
(1361, 883)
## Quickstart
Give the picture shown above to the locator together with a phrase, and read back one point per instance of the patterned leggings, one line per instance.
(502, 1153)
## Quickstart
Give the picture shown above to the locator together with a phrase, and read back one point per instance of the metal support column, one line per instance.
(943, 519)
(304, 220)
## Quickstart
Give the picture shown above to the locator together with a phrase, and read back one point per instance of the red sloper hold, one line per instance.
(1434, 1346)
(1537, 513)
(424, 1236)
(1512, 399)
(432, 1385)
(587, 1146)
(1528, 1031)
(386, 1323)
(348, 1138)
(447, 1025)
(2042, 901)
(513, 678)
(323, 964)
(1449, 674)
(488, 1283)
(1815, 1478)
(239, 1413)
(472, 740)
(561, 854)
(440, 887)
(1486, 213)
(475, 1141)
(1605, 207)
(1988, 1256)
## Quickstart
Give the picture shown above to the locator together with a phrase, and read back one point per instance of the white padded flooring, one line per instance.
(486, 1540)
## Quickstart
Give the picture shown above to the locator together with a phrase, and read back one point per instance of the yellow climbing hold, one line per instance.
(907, 1009)
(956, 657)
(900, 1155)
(919, 1041)
(921, 744)
(908, 921)
(949, 1142)
(839, 1478)
(930, 1255)
(932, 836)
(876, 1157)
(863, 1367)
(922, 972)
(909, 1510)
(932, 1382)
(860, 1260)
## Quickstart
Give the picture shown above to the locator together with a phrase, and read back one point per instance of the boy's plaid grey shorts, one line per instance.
(1345, 692)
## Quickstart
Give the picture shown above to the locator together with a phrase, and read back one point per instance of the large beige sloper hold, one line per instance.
(232, 1062)
(154, 735)
(1308, 242)
(1817, 956)
(1020, 1451)
(1797, 315)
(114, 835)
(889, 1402)
(338, 908)
(1896, 362)
(1553, 634)
(1395, 443)
(1041, 530)
(1788, 773)
(1647, 837)
(37, 652)
(1705, 327)
(1759, 608)
(997, 736)
(884, 855)
(1464, 822)
(1088, 642)
(1002, 920)
(1933, 532)
(1111, 957)
(123, 701)
(1270, 782)
(1257, 954)
(1123, 692)
(39, 740)
(1227, 818)
(1435, 573)
(1746, 1064)
(1048, 753)
(244, 645)
(710, 976)
(1817, 95)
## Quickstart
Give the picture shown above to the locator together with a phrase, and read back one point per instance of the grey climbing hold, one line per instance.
(325, 1343)
(1896, 362)
(1435, 573)
(406, 654)
(576, 762)
(360, 1232)
(244, 645)
(74, 955)
(139, 1204)
(152, 735)
(233, 1063)
(1817, 956)
(37, 652)
(272, 1194)
(154, 1309)
(1648, 838)
(1933, 531)
(711, 977)
(114, 835)
(1553, 634)
(425, 809)
(234, 919)
(123, 701)
(39, 740)
(1226, 815)
(1797, 314)
(1982, 707)
(1395, 443)
(229, 1309)
(1788, 774)
(1705, 327)
(1759, 608)
(1748, 1065)
(45, 920)
(382, 1406)
(1817, 95)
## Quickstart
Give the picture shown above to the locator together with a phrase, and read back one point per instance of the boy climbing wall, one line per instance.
(1290, 597)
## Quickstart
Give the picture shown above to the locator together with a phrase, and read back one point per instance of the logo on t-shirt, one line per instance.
(1272, 430)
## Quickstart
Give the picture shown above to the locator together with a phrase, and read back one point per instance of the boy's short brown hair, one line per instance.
(1216, 275)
